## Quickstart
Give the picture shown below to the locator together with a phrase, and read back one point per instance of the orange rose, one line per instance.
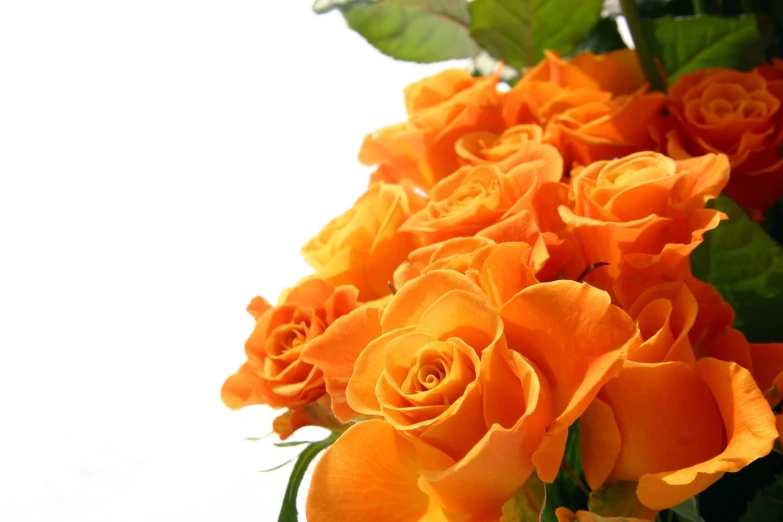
(681, 321)
(475, 199)
(502, 150)
(738, 114)
(441, 109)
(604, 130)
(362, 247)
(542, 254)
(621, 439)
(463, 390)
(688, 320)
(617, 72)
(274, 373)
(556, 85)
(642, 214)
(500, 270)
(664, 384)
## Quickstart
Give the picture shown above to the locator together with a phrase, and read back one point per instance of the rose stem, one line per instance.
(646, 58)
(572, 475)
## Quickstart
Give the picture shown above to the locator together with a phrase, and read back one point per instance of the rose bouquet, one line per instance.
(560, 296)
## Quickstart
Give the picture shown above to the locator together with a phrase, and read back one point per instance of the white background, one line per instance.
(161, 162)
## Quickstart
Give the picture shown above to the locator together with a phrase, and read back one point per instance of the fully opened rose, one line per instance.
(446, 362)
(559, 297)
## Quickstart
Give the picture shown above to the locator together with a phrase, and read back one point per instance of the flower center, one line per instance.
(430, 375)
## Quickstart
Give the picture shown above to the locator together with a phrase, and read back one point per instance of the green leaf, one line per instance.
(688, 511)
(659, 8)
(293, 443)
(773, 222)
(414, 30)
(603, 38)
(564, 491)
(518, 31)
(288, 512)
(767, 505)
(745, 265)
(690, 43)
(274, 468)
(527, 503)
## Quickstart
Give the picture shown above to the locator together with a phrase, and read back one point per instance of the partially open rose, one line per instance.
(487, 148)
(604, 130)
(441, 109)
(464, 390)
(482, 198)
(556, 85)
(621, 439)
(543, 253)
(734, 113)
(643, 213)
(274, 373)
(362, 247)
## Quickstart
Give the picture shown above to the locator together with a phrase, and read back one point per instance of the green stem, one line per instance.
(643, 52)
(573, 476)
(699, 7)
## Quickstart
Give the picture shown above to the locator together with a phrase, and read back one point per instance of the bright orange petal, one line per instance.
(549, 455)
(750, 431)
(370, 473)
(503, 270)
(463, 315)
(575, 336)
(360, 391)
(599, 442)
(474, 485)
(310, 293)
(258, 306)
(242, 389)
(646, 396)
(412, 300)
(335, 352)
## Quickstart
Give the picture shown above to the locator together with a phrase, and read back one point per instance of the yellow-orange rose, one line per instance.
(734, 113)
(441, 109)
(363, 246)
(462, 390)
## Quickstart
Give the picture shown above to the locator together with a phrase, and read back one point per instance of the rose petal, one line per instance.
(336, 350)
(599, 442)
(370, 473)
(412, 300)
(750, 431)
